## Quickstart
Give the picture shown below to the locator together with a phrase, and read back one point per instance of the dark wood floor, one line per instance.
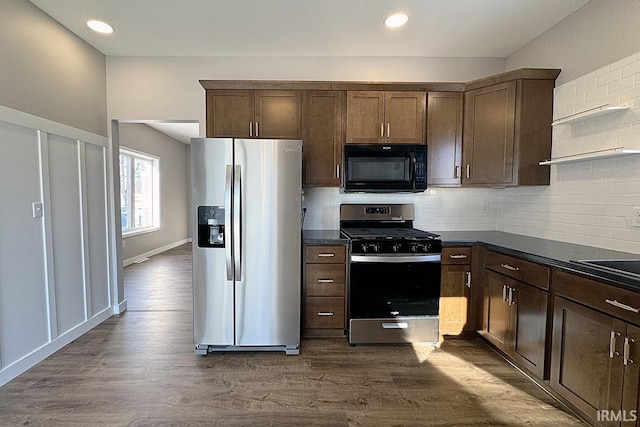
(139, 369)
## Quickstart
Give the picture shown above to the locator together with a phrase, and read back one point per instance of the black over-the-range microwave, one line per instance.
(379, 168)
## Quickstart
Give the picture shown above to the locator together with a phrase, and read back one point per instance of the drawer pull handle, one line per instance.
(325, 313)
(627, 360)
(326, 255)
(461, 256)
(615, 303)
(325, 280)
(510, 267)
(394, 325)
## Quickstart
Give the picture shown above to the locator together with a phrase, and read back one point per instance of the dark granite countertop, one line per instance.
(324, 237)
(549, 252)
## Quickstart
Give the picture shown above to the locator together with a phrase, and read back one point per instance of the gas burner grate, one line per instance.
(388, 233)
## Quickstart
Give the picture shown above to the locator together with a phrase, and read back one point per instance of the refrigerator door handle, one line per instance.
(237, 223)
(228, 253)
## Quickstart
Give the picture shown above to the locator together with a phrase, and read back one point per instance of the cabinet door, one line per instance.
(404, 117)
(497, 311)
(455, 300)
(586, 358)
(528, 326)
(322, 136)
(365, 117)
(444, 138)
(630, 393)
(229, 113)
(278, 114)
(489, 135)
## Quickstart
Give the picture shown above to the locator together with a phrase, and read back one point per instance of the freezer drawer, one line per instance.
(394, 330)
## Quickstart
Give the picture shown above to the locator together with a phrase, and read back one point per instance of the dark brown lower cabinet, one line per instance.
(457, 306)
(324, 291)
(515, 319)
(594, 363)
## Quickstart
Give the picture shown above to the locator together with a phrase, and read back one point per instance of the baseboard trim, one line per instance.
(26, 362)
(120, 308)
(157, 251)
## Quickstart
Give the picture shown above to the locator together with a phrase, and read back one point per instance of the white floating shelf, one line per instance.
(601, 154)
(591, 113)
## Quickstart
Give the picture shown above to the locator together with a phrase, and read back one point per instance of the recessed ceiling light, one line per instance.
(396, 20)
(100, 27)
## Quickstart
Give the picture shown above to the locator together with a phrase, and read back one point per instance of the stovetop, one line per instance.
(389, 240)
(388, 233)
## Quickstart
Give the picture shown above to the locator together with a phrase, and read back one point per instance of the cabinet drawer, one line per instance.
(324, 312)
(519, 269)
(460, 255)
(618, 302)
(325, 254)
(325, 279)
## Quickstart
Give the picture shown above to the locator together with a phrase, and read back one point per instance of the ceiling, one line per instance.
(436, 28)
(181, 131)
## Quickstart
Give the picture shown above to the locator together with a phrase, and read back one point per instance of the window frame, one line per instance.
(156, 205)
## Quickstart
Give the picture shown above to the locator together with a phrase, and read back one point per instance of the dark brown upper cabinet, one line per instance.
(385, 117)
(254, 114)
(507, 131)
(444, 138)
(323, 137)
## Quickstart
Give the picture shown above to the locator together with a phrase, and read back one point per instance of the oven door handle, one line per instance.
(396, 258)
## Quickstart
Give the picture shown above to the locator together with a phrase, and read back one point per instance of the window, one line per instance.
(139, 191)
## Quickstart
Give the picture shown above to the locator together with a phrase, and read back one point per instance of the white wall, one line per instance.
(169, 88)
(56, 266)
(48, 71)
(174, 190)
(599, 33)
(590, 202)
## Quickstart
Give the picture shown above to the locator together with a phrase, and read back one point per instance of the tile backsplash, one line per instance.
(589, 202)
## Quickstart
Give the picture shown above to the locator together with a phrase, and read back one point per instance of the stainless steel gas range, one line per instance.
(394, 283)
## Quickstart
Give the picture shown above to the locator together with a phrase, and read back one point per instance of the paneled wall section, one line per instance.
(55, 262)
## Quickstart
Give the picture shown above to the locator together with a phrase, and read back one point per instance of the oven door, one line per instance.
(390, 286)
(394, 298)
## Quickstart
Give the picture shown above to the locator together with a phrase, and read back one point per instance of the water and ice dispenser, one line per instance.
(211, 226)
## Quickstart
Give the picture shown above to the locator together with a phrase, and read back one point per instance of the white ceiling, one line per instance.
(182, 131)
(436, 28)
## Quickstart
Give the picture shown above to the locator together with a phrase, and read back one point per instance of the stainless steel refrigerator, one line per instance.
(246, 215)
